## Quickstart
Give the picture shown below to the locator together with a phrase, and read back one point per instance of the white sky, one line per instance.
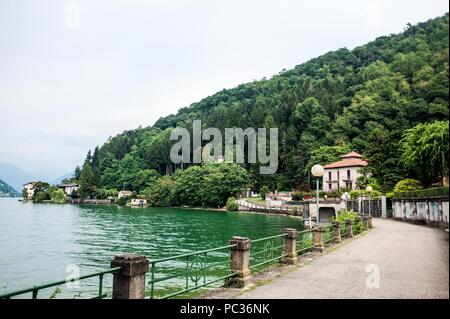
(73, 72)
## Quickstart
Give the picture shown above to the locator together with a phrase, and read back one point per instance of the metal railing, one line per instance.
(328, 235)
(35, 289)
(188, 271)
(304, 241)
(343, 229)
(267, 250)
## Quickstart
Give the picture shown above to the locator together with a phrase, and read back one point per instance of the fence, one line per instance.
(233, 264)
(364, 206)
(297, 210)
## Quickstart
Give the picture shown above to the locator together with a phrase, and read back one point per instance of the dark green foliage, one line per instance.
(264, 191)
(425, 151)
(159, 194)
(423, 193)
(122, 201)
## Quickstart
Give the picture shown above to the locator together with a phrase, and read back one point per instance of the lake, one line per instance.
(38, 241)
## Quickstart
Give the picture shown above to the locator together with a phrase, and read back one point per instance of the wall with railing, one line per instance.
(136, 277)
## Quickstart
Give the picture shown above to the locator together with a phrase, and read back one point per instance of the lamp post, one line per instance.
(369, 189)
(317, 171)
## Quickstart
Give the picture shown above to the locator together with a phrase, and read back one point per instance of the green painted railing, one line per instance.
(329, 234)
(196, 270)
(343, 230)
(35, 289)
(265, 251)
(304, 241)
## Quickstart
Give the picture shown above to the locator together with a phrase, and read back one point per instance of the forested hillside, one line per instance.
(7, 190)
(362, 99)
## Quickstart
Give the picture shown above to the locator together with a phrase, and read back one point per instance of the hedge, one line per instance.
(423, 193)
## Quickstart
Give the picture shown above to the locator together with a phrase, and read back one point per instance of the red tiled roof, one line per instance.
(352, 154)
(350, 159)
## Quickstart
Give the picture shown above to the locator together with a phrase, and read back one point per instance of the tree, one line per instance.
(159, 194)
(425, 150)
(87, 181)
(77, 173)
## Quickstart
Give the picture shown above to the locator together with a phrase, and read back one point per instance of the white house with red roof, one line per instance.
(344, 173)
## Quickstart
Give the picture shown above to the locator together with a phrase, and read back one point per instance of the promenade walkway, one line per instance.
(403, 260)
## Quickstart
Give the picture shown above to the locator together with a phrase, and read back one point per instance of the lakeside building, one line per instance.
(124, 193)
(69, 188)
(344, 173)
(30, 187)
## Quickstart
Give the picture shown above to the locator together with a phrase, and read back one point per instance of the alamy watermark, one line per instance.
(373, 277)
(258, 150)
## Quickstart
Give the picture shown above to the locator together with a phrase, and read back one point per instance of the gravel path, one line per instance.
(411, 260)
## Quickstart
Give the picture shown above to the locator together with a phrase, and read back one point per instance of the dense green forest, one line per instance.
(363, 99)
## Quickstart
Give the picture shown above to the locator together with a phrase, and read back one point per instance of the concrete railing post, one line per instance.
(349, 225)
(318, 238)
(129, 283)
(369, 221)
(290, 246)
(365, 220)
(239, 263)
(336, 232)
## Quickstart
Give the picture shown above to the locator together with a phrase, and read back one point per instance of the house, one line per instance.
(29, 187)
(124, 193)
(344, 173)
(69, 188)
(140, 202)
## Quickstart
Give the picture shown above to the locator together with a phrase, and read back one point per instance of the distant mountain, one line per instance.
(13, 175)
(16, 177)
(58, 180)
(7, 191)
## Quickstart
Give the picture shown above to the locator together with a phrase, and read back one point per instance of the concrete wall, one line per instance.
(336, 206)
(430, 211)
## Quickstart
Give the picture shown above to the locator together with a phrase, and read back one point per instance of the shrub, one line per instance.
(58, 196)
(297, 195)
(264, 191)
(232, 204)
(424, 193)
(343, 215)
(406, 185)
(123, 200)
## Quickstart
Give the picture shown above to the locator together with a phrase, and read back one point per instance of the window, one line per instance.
(348, 174)
(329, 176)
(329, 186)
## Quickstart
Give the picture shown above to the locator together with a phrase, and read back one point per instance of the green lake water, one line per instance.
(46, 242)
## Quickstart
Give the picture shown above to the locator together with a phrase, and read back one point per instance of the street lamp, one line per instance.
(317, 171)
(369, 189)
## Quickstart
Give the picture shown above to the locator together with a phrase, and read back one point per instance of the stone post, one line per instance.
(369, 222)
(365, 220)
(240, 259)
(290, 246)
(383, 207)
(337, 232)
(318, 238)
(349, 225)
(129, 283)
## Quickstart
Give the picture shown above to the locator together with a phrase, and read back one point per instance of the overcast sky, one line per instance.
(73, 73)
